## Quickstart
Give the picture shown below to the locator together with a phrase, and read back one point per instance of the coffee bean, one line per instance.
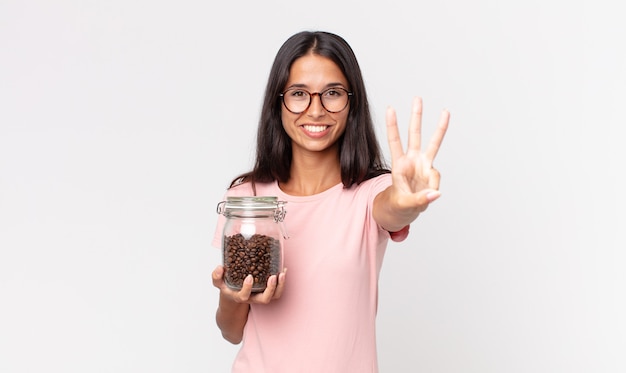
(258, 255)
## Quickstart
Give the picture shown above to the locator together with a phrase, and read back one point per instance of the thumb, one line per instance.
(432, 195)
(426, 196)
(218, 276)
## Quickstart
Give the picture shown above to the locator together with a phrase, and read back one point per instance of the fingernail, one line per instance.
(248, 280)
(433, 195)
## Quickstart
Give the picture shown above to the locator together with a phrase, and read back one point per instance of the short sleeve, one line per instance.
(400, 235)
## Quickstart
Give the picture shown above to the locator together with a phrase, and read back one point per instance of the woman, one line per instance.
(317, 150)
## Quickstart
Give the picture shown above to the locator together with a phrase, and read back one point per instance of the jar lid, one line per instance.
(251, 203)
(254, 205)
(264, 203)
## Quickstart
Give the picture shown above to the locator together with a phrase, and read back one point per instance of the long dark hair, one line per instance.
(359, 153)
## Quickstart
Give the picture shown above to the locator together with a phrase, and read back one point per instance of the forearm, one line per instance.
(231, 317)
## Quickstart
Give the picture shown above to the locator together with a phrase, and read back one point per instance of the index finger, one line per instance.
(281, 284)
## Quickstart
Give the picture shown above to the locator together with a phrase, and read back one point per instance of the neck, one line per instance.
(312, 173)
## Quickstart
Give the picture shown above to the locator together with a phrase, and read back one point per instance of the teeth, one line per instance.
(315, 128)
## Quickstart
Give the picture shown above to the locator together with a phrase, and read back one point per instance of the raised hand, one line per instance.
(415, 182)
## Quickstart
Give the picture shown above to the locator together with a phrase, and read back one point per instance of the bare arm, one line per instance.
(232, 312)
(415, 182)
(231, 318)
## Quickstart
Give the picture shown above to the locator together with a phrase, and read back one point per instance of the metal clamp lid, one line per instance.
(256, 204)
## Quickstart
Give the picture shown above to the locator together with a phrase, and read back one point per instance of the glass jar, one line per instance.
(252, 240)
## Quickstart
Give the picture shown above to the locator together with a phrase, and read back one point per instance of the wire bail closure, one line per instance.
(256, 203)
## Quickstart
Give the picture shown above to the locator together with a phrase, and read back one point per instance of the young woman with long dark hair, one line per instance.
(317, 150)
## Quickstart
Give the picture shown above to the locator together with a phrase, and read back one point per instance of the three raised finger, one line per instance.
(393, 135)
(415, 125)
(437, 138)
(415, 132)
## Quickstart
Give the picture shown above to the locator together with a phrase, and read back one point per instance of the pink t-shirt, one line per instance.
(325, 319)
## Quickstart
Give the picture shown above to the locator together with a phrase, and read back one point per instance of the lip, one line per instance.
(315, 134)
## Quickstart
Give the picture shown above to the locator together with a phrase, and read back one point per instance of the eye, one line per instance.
(334, 93)
(298, 93)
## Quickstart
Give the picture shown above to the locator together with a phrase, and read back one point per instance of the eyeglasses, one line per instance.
(298, 100)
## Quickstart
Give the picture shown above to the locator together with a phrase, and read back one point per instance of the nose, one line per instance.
(316, 108)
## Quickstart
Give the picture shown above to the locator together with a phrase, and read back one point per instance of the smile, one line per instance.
(310, 128)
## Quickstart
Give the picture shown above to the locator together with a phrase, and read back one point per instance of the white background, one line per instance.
(122, 122)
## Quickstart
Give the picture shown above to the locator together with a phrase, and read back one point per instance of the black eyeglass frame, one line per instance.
(282, 96)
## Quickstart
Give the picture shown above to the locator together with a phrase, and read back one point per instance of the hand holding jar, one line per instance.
(273, 290)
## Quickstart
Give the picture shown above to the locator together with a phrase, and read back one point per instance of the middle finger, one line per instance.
(415, 126)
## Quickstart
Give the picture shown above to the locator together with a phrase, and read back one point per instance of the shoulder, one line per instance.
(247, 189)
(368, 189)
(240, 190)
(376, 184)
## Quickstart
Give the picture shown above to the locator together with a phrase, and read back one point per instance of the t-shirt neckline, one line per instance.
(312, 197)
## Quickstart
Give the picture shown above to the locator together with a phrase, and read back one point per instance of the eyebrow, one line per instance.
(329, 85)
